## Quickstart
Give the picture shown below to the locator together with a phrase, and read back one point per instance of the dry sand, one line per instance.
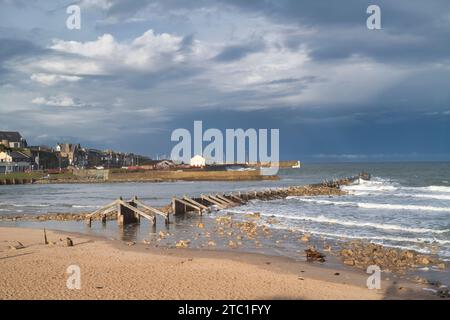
(113, 270)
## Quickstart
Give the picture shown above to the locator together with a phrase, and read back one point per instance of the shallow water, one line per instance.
(405, 205)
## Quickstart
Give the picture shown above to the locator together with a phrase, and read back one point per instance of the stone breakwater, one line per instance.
(362, 254)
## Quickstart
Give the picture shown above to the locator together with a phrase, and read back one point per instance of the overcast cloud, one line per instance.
(139, 69)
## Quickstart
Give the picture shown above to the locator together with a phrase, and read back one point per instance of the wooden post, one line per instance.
(45, 237)
(127, 213)
(174, 206)
(167, 219)
(133, 203)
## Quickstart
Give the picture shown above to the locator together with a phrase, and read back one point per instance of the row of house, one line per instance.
(77, 156)
(17, 156)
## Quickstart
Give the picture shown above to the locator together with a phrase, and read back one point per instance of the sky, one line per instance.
(136, 70)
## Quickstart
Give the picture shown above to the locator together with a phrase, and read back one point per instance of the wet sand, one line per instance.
(113, 269)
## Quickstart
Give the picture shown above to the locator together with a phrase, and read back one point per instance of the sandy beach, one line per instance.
(118, 270)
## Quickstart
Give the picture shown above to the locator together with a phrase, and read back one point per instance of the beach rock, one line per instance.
(223, 220)
(443, 293)
(271, 220)
(424, 260)
(346, 252)
(441, 265)
(349, 262)
(211, 243)
(408, 254)
(313, 255)
(420, 280)
(232, 244)
(162, 234)
(130, 243)
(201, 225)
(182, 244)
(305, 238)
(69, 242)
(254, 215)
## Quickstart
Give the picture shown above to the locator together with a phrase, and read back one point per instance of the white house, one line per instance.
(198, 161)
(14, 162)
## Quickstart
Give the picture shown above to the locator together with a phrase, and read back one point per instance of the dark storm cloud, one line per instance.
(12, 48)
(123, 9)
(237, 52)
(412, 30)
(140, 81)
(303, 80)
(397, 14)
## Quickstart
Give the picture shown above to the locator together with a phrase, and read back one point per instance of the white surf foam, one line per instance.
(368, 205)
(406, 195)
(26, 205)
(323, 219)
(438, 189)
(361, 237)
(85, 206)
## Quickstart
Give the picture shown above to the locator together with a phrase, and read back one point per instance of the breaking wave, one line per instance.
(369, 205)
(322, 219)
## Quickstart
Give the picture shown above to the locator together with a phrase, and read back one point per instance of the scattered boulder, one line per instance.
(424, 260)
(162, 235)
(349, 262)
(363, 254)
(232, 244)
(304, 238)
(253, 215)
(182, 244)
(313, 255)
(223, 220)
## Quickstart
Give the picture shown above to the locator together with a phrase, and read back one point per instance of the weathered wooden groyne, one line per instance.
(133, 210)
(128, 212)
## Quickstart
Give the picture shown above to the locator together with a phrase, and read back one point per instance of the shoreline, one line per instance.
(88, 176)
(168, 273)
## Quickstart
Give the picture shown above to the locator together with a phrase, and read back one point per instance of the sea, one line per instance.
(405, 205)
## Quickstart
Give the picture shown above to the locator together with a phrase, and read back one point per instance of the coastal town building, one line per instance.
(14, 161)
(69, 151)
(12, 139)
(18, 156)
(44, 158)
(158, 165)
